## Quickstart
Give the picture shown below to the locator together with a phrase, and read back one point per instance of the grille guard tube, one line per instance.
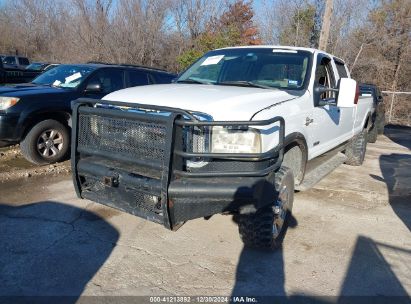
(171, 167)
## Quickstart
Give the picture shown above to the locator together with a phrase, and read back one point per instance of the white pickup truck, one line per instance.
(237, 133)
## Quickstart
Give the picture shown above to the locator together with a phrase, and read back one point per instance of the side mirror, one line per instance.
(348, 93)
(93, 87)
(320, 89)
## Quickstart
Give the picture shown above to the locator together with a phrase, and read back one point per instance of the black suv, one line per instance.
(379, 114)
(38, 114)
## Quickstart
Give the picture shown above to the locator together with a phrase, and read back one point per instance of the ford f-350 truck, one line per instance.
(237, 133)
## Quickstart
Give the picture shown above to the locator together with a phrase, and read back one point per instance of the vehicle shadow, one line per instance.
(261, 272)
(395, 169)
(369, 277)
(43, 251)
(399, 134)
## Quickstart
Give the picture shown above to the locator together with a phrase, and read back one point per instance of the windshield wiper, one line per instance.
(190, 80)
(243, 83)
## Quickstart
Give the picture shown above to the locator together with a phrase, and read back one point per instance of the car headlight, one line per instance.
(7, 102)
(226, 140)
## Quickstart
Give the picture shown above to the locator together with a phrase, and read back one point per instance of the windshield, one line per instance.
(64, 76)
(256, 67)
(36, 66)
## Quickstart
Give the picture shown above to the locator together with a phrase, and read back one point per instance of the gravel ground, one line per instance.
(14, 167)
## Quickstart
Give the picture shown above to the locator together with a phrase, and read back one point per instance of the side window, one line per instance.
(109, 79)
(23, 61)
(324, 76)
(137, 78)
(342, 71)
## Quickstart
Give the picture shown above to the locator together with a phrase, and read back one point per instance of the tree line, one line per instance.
(371, 36)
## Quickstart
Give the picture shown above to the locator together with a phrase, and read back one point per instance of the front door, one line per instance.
(326, 119)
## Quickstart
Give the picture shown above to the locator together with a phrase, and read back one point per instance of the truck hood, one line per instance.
(226, 103)
(25, 89)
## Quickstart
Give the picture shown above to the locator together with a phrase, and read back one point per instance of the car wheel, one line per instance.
(373, 134)
(47, 142)
(265, 228)
(356, 149)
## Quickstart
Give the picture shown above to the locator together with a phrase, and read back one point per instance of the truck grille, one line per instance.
(122, 137)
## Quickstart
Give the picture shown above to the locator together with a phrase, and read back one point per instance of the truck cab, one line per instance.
(237, 133)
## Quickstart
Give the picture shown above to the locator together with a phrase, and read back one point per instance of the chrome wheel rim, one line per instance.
(280, 210)
(50, 143)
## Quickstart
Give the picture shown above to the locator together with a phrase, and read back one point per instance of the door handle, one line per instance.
(308, 120)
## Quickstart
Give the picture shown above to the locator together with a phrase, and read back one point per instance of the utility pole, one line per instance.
(325, 27)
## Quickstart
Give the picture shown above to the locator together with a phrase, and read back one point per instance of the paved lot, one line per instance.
(351, 236)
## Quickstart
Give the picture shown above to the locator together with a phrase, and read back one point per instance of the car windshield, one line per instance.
(35, 66)
(264, 68)
(64, 76)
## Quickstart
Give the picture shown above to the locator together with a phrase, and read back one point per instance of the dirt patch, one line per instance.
(14, 166)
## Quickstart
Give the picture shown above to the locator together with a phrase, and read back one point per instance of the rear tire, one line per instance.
(380, 123)
(373, 134)
(265, 229)
(47, 142)
(355, 150)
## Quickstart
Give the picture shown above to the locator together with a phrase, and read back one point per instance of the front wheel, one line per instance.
(47, 142)
(265, 228)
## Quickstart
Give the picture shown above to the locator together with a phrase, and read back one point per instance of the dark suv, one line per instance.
(379, 114)
(38, 114)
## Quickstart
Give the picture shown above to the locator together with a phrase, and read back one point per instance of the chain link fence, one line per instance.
(397, 108)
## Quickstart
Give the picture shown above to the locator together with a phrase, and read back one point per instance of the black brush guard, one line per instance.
(135, 162)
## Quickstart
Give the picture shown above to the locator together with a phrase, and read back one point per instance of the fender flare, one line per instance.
(297, 138)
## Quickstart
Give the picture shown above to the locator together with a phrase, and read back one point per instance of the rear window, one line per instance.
(342, 71)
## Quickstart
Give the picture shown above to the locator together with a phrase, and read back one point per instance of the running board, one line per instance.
(318, 168)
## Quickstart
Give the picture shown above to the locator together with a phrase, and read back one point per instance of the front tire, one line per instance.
(265, 228)
(47, 142)
(356, 149)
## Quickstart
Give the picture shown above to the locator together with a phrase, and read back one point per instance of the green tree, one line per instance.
(303, 29)
(234, 27)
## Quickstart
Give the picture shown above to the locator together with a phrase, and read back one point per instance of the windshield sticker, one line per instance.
(213, 60)
(56, 83)
(293, 82)
(73, 77)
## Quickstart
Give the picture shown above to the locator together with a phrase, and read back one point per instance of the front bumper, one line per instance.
(8, 128)
(135, 162)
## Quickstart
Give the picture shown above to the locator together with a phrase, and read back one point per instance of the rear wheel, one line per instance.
(47, 142)
(355, 150)
(373, 134)
(380, 123)
(265, 228)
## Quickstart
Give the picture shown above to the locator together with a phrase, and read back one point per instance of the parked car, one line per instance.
(38, 115)
(15, 62)
(41, 66)
(235, 134)
(13, 75)
(368, 89)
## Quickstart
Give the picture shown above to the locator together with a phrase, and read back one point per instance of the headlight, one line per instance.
(224, 140)
(7, 102)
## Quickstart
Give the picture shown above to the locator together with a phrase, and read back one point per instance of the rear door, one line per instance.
(137, 78)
